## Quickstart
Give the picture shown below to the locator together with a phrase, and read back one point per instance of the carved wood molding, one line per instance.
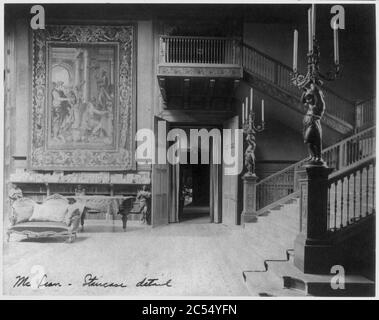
(199, 71)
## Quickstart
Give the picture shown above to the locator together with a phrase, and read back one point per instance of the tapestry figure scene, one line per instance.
(82, 97)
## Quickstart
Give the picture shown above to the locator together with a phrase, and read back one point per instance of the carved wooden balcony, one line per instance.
(200, 71)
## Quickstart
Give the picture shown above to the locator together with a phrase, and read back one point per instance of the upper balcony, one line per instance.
(199, 57)
(199, 72)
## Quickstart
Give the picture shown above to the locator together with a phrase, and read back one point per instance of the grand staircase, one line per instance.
(351, 205)
(351, 190)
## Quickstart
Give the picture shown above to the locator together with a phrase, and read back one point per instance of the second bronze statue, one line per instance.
(313, 100)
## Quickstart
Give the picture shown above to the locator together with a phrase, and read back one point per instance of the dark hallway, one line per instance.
(194, 193)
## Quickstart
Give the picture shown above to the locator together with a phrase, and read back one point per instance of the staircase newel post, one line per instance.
(249, 213)
(311, 245)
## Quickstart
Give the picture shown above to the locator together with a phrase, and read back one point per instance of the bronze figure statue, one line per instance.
(250, 129)
(250, 152)
(313, 100)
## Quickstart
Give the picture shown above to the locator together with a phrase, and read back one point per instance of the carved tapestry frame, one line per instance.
(121, 156)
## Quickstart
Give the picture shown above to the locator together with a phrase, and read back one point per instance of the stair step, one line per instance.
(268, 284)
(320, 285)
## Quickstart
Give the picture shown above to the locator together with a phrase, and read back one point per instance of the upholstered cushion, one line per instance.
(38, 226)
(22, 209)
(54, 212)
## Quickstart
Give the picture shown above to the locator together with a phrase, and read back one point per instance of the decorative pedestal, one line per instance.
(249, 213)
(311, 246)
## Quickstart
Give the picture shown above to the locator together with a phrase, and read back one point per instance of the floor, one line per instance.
(201, 259)
(195, 214)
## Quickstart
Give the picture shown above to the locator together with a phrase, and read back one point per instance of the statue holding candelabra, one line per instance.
(250, 129)
(311, 83)
(313, 178)
(250, 178)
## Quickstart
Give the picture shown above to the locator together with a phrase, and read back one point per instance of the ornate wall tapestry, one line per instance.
(83, 98)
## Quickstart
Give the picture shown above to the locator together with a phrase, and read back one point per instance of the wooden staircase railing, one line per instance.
(351, 194)
(337, 219)
(365, 114)
(279, 74)
(339, 156)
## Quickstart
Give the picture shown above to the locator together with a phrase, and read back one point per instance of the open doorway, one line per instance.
(194, 193)
(218, 199)
(195, 189)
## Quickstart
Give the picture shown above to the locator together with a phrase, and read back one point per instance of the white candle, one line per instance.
(247, 107)
(295, 46)
(246, 111)
(243, 113)
(251, 100)
(313, 21)
(336, 51)
(263, 110)
(310, 41)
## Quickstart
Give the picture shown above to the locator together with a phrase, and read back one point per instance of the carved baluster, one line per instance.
(194, 50)
(355, 196)
(328, 208)
(227, 53)
(204, 51)
(181, 50)
(341, 205)
(174, 50)
(197, 46)
(367, 189)
(335, 205)
(348, 200)
(373, 188)
(360, 192)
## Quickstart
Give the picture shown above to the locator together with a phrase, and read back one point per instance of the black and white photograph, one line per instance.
(180, 150)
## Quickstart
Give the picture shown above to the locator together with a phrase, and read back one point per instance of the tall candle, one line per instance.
(313, 21)
(246, 111)
(251, 100)
(295, 46)
(263, 110)
(310, 41)
(247, 104)
(243, 113)
(336, 51)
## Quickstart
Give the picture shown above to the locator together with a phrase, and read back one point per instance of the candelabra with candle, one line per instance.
(314, 75)
(311, 84)
(249, 178)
